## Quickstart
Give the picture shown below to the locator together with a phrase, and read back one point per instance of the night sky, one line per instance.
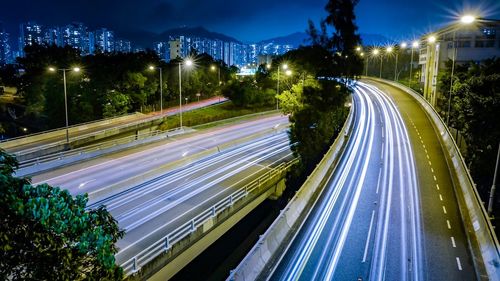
(245, 20)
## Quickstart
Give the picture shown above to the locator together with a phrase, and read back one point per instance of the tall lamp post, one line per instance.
(212, 68)
(465, 20)
(285, 67)
(403, 46)
(375, 53)
(388, 50)
(75, 69)
(161, 87)
(414, 45)
(187, 62)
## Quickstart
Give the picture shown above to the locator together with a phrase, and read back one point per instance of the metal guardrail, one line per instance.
(483, 231)
(92, 148)
(134, 264)
(62, 129)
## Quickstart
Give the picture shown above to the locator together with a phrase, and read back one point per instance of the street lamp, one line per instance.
(188, 63)
(74, 69)
(151, 67)
(285, 67)
(465, 20)
(375, 53)
(414, 45)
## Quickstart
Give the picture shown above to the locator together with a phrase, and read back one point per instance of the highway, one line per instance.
(149, 211)
(97, 175)
(93, 128)
(375, 218)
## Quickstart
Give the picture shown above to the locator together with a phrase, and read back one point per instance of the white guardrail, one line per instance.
(271, 241)
(134, 264)
(483, 241)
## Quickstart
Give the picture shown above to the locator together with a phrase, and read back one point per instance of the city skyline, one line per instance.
(249, 22)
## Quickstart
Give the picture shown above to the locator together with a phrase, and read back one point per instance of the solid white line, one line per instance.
(440, 197)
(444, 209)
(449, 225)
(368, 237)
(453, 242)
(459, 264)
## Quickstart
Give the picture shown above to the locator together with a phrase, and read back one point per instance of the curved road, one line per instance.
(371, 220)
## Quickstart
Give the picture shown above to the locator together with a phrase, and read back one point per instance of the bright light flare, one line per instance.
(51, 69)
(288, 72)
(415, 44)
(467, 19)
(285, 66)
(431, 39)
(76, 69)
(389, 49)
(404, 45)
(188, 62)
(375, 52)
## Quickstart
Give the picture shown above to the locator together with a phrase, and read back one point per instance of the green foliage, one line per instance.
(474, 112)
(246, 93)
(46, 234)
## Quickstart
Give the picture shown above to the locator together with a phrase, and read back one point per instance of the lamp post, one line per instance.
(188, 62)
(388, 50)
(414, 45)
(212, 68)
(403, 46)
(465, 20)
(161, 87)
(75, 69)
(375, 53)
(285, 67)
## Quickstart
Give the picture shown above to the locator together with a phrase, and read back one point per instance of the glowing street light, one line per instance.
(74, 69)
(285, 67)
(188, 63)
(431, 39)
(468, 19)
(404, 45)
(389, 49)
(151, 68)
(288, 72)
(375, 52)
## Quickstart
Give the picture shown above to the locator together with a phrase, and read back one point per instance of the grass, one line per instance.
(210, 114)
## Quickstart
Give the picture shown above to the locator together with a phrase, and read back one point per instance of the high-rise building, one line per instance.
(53, 36)
(162, 49)
(123, 46)
(30, 33)
(76, 36)
(5, 52)
(104, 40)
(175, 48)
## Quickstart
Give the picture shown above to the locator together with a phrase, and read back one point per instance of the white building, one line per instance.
(476, 41)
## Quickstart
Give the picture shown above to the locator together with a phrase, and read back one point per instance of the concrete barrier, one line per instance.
(483, 242)
(270, 244)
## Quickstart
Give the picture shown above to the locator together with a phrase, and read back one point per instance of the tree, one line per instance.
(46, 234)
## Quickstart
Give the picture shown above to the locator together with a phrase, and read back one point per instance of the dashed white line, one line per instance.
(440, 197)
(378, 180)
(437, 186)
(444, 209)
(430, 164)
(459, 264)
(427, 155)
(435, 177)
(453, 242)
(368, 238)
(449, 226)
(432, 170)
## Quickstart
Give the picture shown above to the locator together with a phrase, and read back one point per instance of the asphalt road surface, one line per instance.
(98, 174)
(383, 214)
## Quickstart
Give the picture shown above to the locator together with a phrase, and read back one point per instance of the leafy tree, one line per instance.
(46, 234)
(246, 93)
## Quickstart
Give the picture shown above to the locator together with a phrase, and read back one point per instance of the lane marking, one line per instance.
(444, 209)
(440, 197)
(378, 180)
(430, 164)
(449, 225)
(435, 177)
(382, 153)
(427, 155)
(437, 186)
(368, 237)
(459, 264)
(453, 242)
(432, 170)
(425, 150)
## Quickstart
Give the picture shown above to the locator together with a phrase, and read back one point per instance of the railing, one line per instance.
(92, 148)
(134, 264)
(473, 212)
(62, 129)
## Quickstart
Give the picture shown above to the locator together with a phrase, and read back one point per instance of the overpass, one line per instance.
(177, 196)
(36, 146)
(398, 204)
